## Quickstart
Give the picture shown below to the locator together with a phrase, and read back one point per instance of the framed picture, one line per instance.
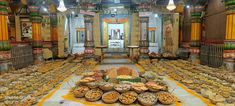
(26, 28)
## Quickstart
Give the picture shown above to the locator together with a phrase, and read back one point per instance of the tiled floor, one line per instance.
(57, 100)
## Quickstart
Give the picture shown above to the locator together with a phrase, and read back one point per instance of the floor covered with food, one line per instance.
(72, 82)
(117, 52)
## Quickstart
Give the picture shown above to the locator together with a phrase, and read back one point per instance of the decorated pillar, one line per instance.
(229, 41)
(89, 39)
(5, 54)
(36, 20)
(196, 32)
(180, 9)
(54, 30)
(12, 35)
(54, 34)
(144, 39)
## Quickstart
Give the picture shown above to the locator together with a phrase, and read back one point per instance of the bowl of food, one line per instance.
(106, 86)
(154, 87)
(86, 80)
(139, 87)
(122, 87)
(92, 85)
(165, 98)
(147, 99)
(128, 98)
(80, 91)
(110, 97)
(93, 95)
(88, 74)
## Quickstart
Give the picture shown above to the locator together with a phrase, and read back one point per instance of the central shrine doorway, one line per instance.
(116, 36)
(116, 33)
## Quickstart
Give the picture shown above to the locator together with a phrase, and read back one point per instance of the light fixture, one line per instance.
(156, 16)
(73, 12)
(61, 7)
(187, 6)
(44, 9)
(171, 6)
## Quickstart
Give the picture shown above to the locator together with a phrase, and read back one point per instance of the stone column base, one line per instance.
(38, 56)
(229, 64)
(5, 66)
(194, 58)
(5, 62)
(194, 55)
(89, 52)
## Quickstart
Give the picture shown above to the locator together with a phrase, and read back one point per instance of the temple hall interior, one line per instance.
(117, 52)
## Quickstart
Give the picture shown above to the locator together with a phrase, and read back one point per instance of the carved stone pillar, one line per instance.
(144, 39)
(229, 41)
(5, 54)
(36, 20)
(89, 38)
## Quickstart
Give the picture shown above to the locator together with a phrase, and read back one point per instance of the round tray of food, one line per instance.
(128, 98)
(147, 99)
(110, 97)
(122, 87)
(93, 85)
(154, 87)
(165, 98)
(139, 87)
(106, 86)
(93, 95)
(80, 91)
(88, 74)
(86, 80)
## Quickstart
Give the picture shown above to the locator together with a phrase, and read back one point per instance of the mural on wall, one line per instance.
(170, 34)
(167, 36)
(26, 29)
